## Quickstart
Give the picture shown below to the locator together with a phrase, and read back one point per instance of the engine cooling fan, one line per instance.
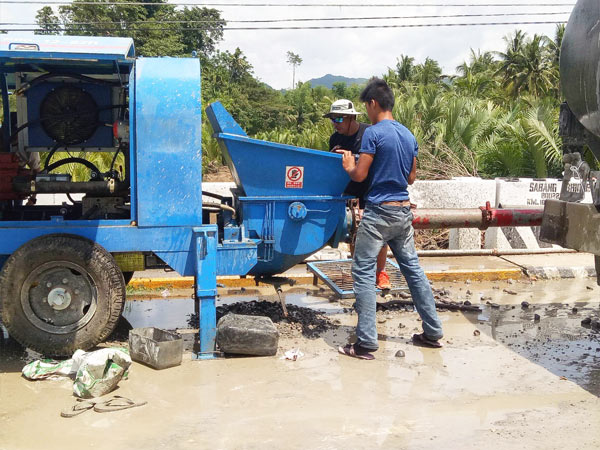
(69, 115)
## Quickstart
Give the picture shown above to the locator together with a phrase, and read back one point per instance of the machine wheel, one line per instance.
(60, 293)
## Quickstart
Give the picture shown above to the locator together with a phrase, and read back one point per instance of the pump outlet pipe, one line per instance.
(482, 218)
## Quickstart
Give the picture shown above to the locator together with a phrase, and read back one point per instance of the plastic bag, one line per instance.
(42, 369)
(96, 373)
(99, 372)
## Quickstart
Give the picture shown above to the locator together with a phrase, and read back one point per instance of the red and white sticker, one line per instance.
(294, 177)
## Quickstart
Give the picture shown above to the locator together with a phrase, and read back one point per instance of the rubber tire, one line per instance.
(89, 255)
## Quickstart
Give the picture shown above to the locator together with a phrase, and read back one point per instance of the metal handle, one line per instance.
(23, 46)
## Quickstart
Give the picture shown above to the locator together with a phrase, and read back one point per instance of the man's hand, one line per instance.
(348, 160)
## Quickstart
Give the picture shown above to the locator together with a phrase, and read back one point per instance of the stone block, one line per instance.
(247, 335)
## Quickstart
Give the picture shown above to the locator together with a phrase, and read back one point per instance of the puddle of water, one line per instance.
(297, 299)
(168, 314)
(557, 341)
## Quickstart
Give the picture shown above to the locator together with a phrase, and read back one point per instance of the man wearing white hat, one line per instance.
(348, 136)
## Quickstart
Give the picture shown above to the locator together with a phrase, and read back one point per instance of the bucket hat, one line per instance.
(342, 107)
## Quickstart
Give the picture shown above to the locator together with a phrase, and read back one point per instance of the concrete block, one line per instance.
(247, 335)
(463, 192)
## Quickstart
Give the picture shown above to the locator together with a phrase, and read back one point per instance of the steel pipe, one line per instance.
(482, 218)
(492, 252)
(103, 188)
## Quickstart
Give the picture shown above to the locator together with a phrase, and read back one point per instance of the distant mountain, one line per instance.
(329, 79)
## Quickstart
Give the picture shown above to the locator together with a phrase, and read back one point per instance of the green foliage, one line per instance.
(157, 29)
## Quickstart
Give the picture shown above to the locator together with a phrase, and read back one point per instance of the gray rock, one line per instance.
(400, 354)
(247, 335)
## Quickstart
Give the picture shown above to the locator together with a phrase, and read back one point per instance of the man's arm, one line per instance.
(412, 176)
(357, 171)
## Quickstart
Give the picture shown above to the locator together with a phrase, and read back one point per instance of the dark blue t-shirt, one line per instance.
(394, 147)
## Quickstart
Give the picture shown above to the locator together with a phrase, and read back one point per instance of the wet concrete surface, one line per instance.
(503, 380)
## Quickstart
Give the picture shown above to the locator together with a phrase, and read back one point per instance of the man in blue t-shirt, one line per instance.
(388, 158)
(348, 136)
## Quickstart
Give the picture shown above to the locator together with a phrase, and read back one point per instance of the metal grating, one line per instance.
(338, 276)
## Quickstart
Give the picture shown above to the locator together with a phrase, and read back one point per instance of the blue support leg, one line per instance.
(206, 288)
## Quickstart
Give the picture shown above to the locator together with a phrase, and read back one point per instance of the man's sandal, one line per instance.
(114, 403)
(350, 350)
(80, 407)
(422, 340)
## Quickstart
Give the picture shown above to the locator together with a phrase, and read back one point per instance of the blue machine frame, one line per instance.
(284, 216)
(166, 168)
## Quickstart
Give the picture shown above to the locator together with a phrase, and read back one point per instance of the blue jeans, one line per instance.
(392, 225)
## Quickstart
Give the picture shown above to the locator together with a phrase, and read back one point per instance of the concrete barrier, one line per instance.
(524, 192)
(456, 193)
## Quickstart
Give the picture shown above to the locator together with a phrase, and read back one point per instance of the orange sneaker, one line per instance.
(383, 280)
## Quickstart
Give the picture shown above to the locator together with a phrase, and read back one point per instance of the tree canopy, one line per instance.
(157, 30)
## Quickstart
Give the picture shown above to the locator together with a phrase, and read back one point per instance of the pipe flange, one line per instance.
(297, 211)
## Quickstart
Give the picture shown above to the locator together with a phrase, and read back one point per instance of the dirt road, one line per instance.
(503, 380)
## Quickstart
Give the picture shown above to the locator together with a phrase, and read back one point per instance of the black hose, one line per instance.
(112, 163)
(52, 152)
(85, 162)
(210, 194)
(71, 199)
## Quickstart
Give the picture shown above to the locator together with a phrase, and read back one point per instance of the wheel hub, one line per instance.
(59, 299)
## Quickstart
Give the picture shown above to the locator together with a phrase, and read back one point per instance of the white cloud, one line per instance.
(353, 52)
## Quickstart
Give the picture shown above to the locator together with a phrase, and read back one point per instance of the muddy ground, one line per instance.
(508, 377)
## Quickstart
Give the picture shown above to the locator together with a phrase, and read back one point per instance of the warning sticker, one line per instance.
(294, 177)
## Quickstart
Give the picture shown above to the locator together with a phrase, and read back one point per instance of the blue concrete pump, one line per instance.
(65, 267)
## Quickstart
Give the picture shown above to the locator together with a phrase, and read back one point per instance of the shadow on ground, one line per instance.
(550, 335)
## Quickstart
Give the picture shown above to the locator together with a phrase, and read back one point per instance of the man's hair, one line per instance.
(377, 89)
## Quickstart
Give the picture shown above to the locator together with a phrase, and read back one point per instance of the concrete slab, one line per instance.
(565, 265)
(445, 263)
(462, 268)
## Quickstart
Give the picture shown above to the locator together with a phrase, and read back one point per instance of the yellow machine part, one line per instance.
(130, 262)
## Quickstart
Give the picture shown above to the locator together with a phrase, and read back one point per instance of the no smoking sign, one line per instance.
(294, 177)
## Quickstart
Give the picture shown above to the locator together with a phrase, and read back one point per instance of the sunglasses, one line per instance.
(337, 119)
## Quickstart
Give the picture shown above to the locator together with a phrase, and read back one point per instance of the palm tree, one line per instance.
(429, 72)
(294, 60)
(526, 66)
(511, 61)
(405, 68)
